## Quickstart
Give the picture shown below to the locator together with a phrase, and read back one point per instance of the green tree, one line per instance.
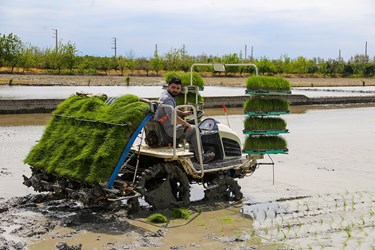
(143, 64)
(61, 58)
(279, 66)
(69, 57)
(265, 66)
(10, 50)
(28, 57)
(121, 61)
(299, 65)
(172, 60)
(156, 63)
(348, 69)
(369, 70)
(186, 62)
(231, 59)
(130, 64)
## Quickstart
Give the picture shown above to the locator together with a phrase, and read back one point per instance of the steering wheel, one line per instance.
(190, 118)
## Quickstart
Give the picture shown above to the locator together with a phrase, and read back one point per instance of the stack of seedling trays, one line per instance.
(263, 125)
(189, 93)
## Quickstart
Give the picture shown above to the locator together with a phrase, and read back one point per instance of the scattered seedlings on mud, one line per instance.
(157, 218)
(332, 220)
(180, 213)
(173, 213)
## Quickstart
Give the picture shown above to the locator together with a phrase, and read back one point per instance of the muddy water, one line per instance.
(323, 191)
(62, 92)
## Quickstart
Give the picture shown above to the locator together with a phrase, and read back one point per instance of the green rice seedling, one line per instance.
(252, 232)
(157, 218)
(185, 78)
(264, 143)
(307, 207)
(171, 74)
(180, 213)
(348, 231)
(260, 104)
(84, 140)
(191, 99)
(197, 79)
(278, 226)
(264, 123)
(372, 213)
(227, 219)
(267, 83)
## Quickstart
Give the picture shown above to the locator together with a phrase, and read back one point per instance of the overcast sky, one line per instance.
(309, 28)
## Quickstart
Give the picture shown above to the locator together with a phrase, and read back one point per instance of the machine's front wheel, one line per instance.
(223, 188)
(164, 185)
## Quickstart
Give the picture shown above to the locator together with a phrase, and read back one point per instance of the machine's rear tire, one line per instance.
(164, 185)
(223, 188)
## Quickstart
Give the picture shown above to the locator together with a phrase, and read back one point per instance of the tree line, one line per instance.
(64, 59)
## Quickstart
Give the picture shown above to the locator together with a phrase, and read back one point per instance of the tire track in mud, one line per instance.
(339, 221)
(45, 219)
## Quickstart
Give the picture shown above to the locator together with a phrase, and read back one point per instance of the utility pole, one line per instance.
(183, 50)
(366, 52)
(114, 46)
(56, 39)
(245, 51)
(339, 55)
(156, 48)
(252, 54)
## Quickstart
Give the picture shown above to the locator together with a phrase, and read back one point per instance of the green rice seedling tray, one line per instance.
(263, 123)
(192, 89)
(265, 132)
(86, 137)
(260, 104)
(267, 83)
(266, 151)
(267, 92)
(270, 113)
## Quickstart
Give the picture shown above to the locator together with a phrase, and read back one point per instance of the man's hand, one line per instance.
(183, 113)
(186, 125)
(186, 113)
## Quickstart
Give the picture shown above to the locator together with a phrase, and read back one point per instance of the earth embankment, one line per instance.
(73, 80)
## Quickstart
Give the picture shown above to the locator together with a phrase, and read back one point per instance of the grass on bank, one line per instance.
(81, 143)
